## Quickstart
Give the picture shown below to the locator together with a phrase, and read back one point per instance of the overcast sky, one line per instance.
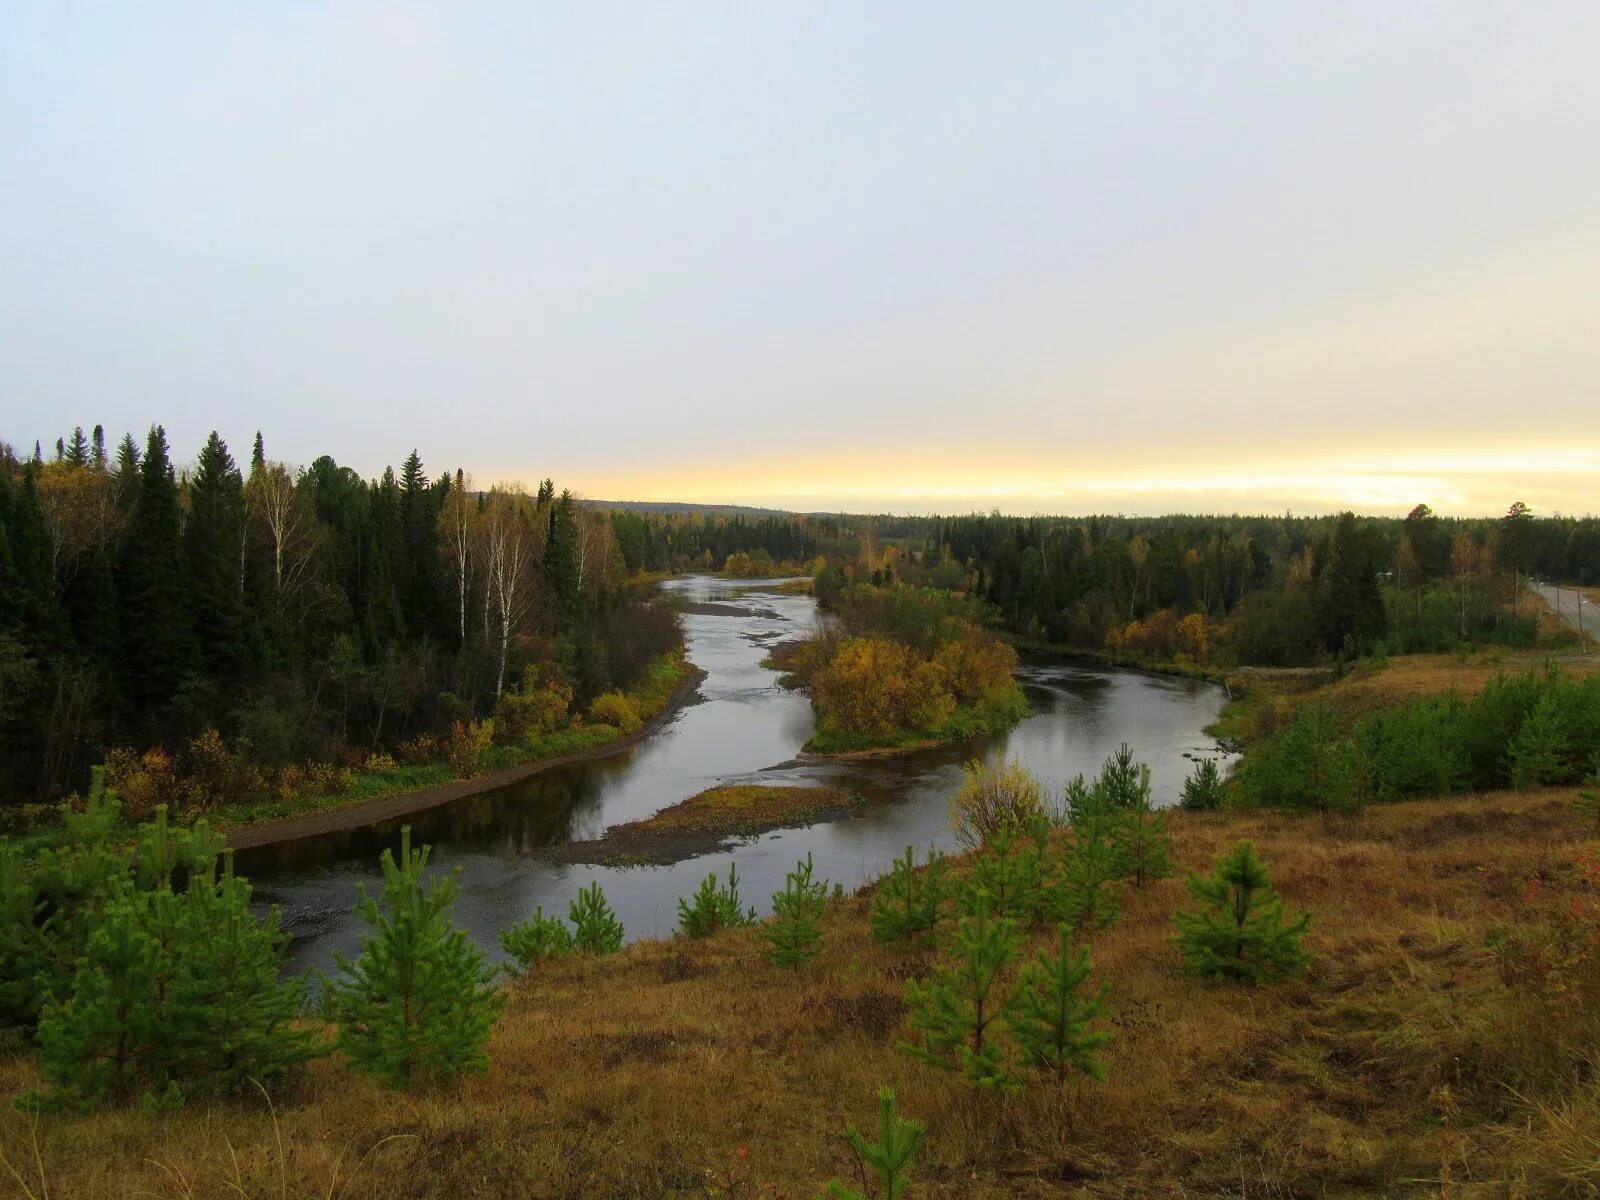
(907, 256)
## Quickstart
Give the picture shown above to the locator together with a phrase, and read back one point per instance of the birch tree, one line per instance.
(508, 555)
(457, 528)
(283, 518)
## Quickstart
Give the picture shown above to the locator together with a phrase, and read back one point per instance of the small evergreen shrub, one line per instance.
(1240, 932)
(1123, 781)
(536, 939)
(1005, 877)
(906, 905)
(888, 1158)
(418, 1001)
(174, 993)
(1540, 754)
(714, 908)
(596, 929)
(1086, 893)
(1139, 834)
(961, 1008)
(794, 935)
(1311, 764)
(1054, 1021)
(1204, 790)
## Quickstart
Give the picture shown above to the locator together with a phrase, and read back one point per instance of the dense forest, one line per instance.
(306, 612)
(1266, 590)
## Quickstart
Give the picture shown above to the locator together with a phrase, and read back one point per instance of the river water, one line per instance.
(743, 729)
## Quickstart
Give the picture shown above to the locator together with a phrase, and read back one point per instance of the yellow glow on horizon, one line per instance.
(1455, 481)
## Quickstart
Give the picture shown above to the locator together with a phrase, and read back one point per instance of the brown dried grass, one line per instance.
(643, 1075)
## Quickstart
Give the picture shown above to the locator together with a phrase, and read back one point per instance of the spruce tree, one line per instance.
(27, 584)
(214, 536)
(906, 904)
(596, 929)
(888, 1158)
(157, 628)
(78, 448)
(417, 574)
(1054, 1022)
(1241, 932)
(127, 473)
(561, 561)
(959, 1010)
(794, 935)
(419, 1000)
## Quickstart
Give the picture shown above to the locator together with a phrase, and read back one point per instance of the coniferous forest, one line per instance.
(299, 612)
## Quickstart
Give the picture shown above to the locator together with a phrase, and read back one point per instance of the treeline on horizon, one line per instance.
(308, 613)
(1274, 591)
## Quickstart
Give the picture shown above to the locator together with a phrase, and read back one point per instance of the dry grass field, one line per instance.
(1438, 1046)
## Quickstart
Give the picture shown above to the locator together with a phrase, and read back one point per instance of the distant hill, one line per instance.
(682, 509)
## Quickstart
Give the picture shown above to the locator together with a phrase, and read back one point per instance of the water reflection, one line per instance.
(744, 729)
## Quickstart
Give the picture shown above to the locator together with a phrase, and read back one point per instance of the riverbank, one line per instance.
(1420, 1054)
(709, 821)
(256, 834)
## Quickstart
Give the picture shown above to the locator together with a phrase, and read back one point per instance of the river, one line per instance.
(743, 729)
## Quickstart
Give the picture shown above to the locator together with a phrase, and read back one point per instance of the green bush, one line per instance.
(596, 929)
(618, 709)
(906, 905)
(1309, 765)
(1204, 789)
(794, 935)
(537, 939)
(1541, 752)
(1528, 730)
(714, 908)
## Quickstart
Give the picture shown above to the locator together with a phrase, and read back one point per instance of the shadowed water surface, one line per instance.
(744, 729)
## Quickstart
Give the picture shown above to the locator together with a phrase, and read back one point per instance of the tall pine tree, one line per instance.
(561, 561)
(214, 538)
(157, 626)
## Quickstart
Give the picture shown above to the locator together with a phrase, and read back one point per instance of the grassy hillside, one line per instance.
(1437, 1046)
